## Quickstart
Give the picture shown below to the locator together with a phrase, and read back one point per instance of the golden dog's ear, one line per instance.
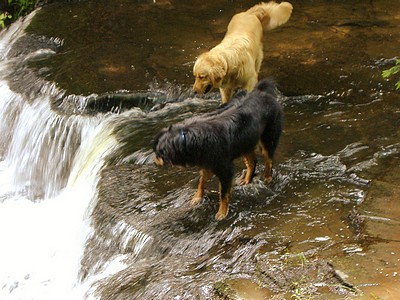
(216, 81)
(217, 74)
(217, 71)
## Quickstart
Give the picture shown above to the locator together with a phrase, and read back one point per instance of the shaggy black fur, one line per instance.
(212, 141)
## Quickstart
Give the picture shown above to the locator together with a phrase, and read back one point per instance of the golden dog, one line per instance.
(236, 61)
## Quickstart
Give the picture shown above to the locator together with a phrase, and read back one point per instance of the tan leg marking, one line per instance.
(204, 176)
(251, 161)
(268, 166)
(223, 203)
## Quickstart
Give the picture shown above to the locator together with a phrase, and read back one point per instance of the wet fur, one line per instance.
(236, 61)
(212, 141)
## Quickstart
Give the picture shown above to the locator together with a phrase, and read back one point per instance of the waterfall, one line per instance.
(49, 168)
(43, 240)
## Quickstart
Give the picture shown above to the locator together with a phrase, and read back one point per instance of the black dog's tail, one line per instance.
(266, 85)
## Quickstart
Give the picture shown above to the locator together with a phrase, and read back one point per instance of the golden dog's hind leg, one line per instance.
(251, 161)
(204, 176)
(268, 165)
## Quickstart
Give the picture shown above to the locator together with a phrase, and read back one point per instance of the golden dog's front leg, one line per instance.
(226, 94)
(251, 161)
(204, 176)
(251, 82)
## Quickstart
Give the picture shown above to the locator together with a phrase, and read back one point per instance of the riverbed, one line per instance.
(85, 214)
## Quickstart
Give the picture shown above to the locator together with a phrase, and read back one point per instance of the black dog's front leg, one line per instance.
(204, 176)
(225, 176)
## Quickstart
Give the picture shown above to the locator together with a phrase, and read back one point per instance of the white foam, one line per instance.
(43, 240)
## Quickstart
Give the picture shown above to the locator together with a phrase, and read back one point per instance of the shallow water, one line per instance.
(88, 86)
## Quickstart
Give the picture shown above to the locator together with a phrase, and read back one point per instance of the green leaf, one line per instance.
(386, 73)
(391, 71)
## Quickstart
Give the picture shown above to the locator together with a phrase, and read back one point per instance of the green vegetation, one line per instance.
(392, 71)
(223, 290)
(4, 16)
(15, 9)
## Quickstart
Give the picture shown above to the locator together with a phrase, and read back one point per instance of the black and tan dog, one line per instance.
(212, 141)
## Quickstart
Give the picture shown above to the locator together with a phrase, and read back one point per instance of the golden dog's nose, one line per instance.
(196, 89)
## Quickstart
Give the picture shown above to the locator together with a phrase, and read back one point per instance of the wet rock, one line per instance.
(118, 102)
(375, 269)
(289, 276)
(241, 288)
(299, 276)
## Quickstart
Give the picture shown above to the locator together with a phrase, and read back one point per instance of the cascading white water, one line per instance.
(49, 169)
(43, 240)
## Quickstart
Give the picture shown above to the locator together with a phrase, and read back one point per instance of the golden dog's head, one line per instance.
(209, 72)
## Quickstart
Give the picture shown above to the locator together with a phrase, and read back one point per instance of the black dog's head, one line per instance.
(169, 146)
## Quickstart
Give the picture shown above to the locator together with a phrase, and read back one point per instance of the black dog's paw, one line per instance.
(195, 200)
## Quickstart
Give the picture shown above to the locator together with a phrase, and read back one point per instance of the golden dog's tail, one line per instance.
(272, 14)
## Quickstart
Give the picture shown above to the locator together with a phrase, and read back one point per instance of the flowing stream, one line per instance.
(84, 213)
(50, 165)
